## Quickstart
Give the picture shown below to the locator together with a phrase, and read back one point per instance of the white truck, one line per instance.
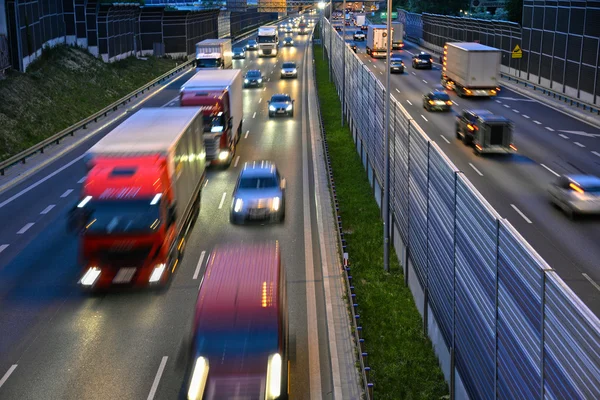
(268, 41)
(398, 35)
(218, 93)
(213, 54)
(471, 69)
(377, 41)
(359, 20)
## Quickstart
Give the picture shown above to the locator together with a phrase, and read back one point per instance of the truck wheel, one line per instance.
(457, 133)
(465, 139)
(239, 134)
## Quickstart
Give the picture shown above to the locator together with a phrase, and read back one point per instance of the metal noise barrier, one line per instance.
(503, 322)
(357, 328)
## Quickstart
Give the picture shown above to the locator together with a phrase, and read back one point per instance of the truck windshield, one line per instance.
(208, 63)
(213, 123)
(128, 216)
(266, 39)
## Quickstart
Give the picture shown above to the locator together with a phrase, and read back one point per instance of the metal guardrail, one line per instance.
(509, 325)
(356, 328)
(551, 93)
(70, 131)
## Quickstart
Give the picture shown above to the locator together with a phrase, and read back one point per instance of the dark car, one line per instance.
(239, 53)
(437, 100)
(252, 45)
(281, 104)
(396, 65)
(253, 78)
(576, 194)
(359, 35)
(354, 47)
(288, 41)
(422, 60)
(337, 28)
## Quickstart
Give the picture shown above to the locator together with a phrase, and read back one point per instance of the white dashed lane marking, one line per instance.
(517, 111)
(222, 200)
(81, 180)
(408, 101)
(476, 170)
(537, 122)
(254, 115)
(579, 144)
(596, 153)
(445, 140)
(3, 247)
(521, 214)
(25, 228)
(550, 170)
(47, 209)
(397, 91)
(246, 135)
(422, 116)
(526, 116)
(550, 129)
(199, 266)
(506, 105)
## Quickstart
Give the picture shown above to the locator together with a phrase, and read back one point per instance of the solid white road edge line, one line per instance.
(586, 276)
(25, 228)
(550, 170)
(222, 200)
(199, 266)
(314, 366)
(476, 170)
(47, 209)
(159, 373)
(521, 214)
(7, 374)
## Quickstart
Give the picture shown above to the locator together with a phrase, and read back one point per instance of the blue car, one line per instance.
(239, 53)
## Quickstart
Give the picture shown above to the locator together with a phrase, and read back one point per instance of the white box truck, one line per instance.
(218, 93)
(377, 41)
(471, 69)
(398, 36)
(359, 20)
(213, 54)
(267, 41)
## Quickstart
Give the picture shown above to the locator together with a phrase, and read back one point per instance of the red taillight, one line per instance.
(512, 146)
(576, 188)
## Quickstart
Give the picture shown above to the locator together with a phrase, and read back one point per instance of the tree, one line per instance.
(514, 9)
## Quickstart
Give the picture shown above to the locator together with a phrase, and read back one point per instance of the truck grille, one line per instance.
(125, 258)
(238, 388)
(211, 144)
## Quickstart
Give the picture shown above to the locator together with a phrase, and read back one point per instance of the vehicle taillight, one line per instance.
(430, 101)
(449, 102)
(512, 146)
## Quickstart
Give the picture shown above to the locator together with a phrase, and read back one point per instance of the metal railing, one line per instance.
(70, 131)
(353, 301)
(504, 323)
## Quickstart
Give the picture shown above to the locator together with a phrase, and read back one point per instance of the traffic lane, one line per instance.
(56, 185)
(491, 177)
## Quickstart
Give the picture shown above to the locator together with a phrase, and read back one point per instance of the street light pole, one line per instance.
(330, 36)
(386, 185)
(343, 59)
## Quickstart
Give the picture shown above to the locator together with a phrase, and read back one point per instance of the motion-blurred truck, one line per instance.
(359, 20)
(488, 133)
(398, 36)
(140, 198)
(377, 41)
(214, 54)
(218, 93)
(471, 69)
(267, 41)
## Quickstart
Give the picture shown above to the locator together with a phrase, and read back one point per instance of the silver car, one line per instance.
(289, 70)
(281, 104)
(576, 194)
(259, 194)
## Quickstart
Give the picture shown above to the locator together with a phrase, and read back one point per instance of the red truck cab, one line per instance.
(125, 240)
(240, 335)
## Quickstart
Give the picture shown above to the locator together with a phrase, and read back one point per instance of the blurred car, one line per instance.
(239, 343)
(289, 70)
(281, 104)
(239, 53)
(289, 29)
(252, 45)
(364, 28)
(253, 78)
(576, 194)
(354, 47)
(359, 35)
(288, 41)
(437, 100)
(259, 194)
(422, 60)
(337, 28)
(396, 65)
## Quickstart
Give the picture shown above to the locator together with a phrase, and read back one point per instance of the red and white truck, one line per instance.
(140, 199)
(218, 93)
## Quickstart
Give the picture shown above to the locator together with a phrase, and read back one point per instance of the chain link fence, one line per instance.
(4, 56)
(503, 323)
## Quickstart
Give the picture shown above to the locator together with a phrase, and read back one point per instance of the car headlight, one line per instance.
(198, 381)
(238, 205)
(157, 272)
(245, 80)
(289, 108)
(295, 71)
(271, 108)
(274, 365)
(283, 71)
(90, 276)
(259, 80)
(223, 155)
(275, 204)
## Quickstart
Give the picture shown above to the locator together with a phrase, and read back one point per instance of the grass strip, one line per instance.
(402, 359)
(65, 85)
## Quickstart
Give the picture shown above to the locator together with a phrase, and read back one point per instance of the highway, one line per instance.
(549, 143)
(59, 343)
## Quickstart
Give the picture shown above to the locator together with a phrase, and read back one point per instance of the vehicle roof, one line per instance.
(379, 26)
(209, 78)
(108, 177)
(214, 41)
(258, 168)
(472, 46)
(240, 285)
(584, 180)
(150, 130)
(253, 71)
(281, 94)
(487, 115)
